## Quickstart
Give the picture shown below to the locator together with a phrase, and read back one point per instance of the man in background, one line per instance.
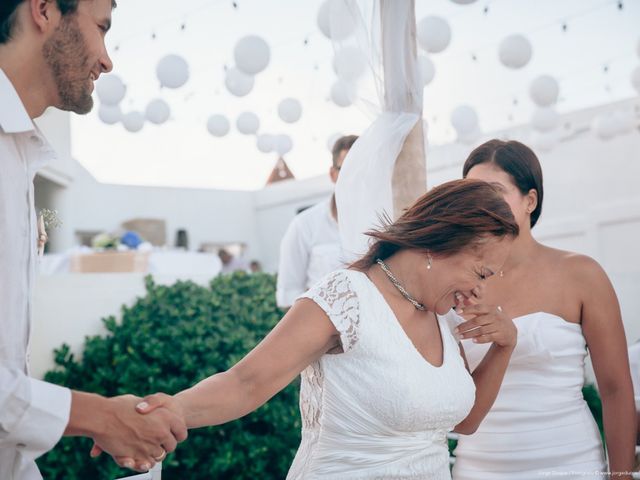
(51, 53)
(311, 246)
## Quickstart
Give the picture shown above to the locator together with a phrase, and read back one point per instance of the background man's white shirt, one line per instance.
(33, 414)
(309, 250)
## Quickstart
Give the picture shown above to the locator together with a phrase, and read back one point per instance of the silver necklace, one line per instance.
(400, 288)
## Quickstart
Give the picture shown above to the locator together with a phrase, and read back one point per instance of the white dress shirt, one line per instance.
(309, 250)
(33, 414)
(634, 363)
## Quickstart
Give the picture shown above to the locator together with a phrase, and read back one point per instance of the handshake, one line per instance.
(136, 432)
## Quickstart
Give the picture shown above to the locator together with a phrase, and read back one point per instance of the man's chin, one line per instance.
(81, 107)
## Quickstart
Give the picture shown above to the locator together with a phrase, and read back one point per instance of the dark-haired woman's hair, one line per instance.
(517, 160)
(446, 220)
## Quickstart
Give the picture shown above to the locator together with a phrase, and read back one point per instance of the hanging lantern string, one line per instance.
(560, 22)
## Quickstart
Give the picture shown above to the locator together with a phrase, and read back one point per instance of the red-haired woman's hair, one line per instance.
(446, 220)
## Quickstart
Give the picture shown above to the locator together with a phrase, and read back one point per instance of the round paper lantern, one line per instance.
(110, 114)
(331, 141)
(133, 121)
(623, 121)
(349, 63)
(266, 143)
(544, 91)
(544, 141)
(290, 110)
(545, 119)
(252, 54)
(465, 120)
(158, 111)
(604, 127)
(248, 123)
(635, 78)
(342, 94)
(515, 51)
(283, 144)
(172, 71)
(238, 83)
(427, 69)
(218, 125)
(335, 19)
(434, 34)
(110, 89)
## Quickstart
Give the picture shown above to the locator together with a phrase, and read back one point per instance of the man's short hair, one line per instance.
(9, 8)
(343, 143)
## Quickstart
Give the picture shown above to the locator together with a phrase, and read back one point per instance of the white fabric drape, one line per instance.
(364, 189)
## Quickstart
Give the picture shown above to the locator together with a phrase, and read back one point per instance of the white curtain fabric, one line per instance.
(385, 33)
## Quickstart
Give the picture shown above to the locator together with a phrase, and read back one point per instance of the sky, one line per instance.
(589, 46)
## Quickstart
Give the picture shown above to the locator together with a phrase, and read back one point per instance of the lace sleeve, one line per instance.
(334, 294)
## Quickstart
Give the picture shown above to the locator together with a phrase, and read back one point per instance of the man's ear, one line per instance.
(44, 14)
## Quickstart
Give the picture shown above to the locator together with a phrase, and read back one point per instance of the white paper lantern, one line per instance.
(349, 63)
(290, 110)
(158, 111)
(283, 144)
(331, 141)
(110, 89)
(427, 69)
(515, 51)
(604, 126)
(463, 2)
(266, 143)
(248, 123)
(110, 114)
(434, 34)
(252, 54)
(172, 71)
(465, 120)
(133, 121)
(623, 121)
(336, 19)
(545, 119)
(342, 93)
(238, 83)
(635, 79)
(218, 125)
(544, 141)
(544, 91)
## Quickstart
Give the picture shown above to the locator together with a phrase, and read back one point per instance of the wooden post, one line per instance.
(403, 92)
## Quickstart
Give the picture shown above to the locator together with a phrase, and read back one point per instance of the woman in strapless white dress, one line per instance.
(383, 378)
(563, 305)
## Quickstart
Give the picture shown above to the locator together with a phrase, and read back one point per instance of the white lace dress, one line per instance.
(378, 410)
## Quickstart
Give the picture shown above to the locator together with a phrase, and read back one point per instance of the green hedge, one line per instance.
(168, 340)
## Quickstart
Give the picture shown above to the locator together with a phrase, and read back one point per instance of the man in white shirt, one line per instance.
(311, 246)
(634, 364)
(51, 52)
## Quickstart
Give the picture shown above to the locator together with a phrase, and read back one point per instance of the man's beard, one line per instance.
(66, 55)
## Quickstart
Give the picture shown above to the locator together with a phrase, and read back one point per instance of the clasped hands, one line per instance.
(141, 432)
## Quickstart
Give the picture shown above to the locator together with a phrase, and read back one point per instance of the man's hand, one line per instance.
(153, 407)
(135, 441)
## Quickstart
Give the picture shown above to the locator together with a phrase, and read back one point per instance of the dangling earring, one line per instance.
(428, 261)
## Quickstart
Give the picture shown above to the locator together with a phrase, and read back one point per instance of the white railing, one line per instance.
(154, 474)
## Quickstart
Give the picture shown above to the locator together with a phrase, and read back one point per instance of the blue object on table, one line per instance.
(131, 240)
